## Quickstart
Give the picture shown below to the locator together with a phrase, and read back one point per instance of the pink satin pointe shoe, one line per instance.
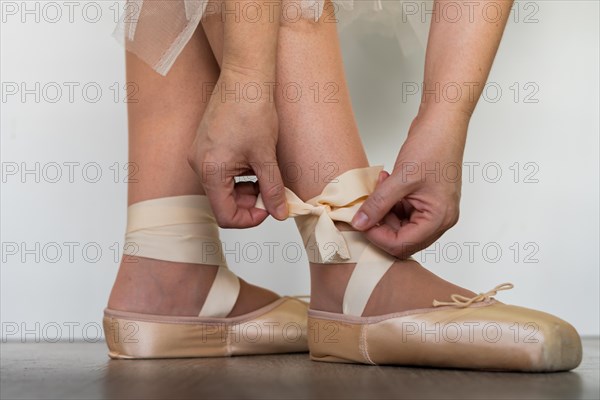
(478, 333)
(279, 327)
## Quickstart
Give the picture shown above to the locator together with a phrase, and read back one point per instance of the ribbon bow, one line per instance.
(339, 201)
(462, 301)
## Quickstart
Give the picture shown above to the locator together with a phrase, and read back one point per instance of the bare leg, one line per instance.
(322, 136)
(162, 126)
(325, 134)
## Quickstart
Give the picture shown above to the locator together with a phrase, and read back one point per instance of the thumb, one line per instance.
(272, 190)
(378, 204)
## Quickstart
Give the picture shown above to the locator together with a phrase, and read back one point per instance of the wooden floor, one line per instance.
(83, 371)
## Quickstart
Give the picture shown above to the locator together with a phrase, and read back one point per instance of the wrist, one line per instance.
(246, 85)
(448, 128)
(444, 113)
(243, 71)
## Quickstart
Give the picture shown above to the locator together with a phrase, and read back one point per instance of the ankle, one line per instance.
(149, 286)
(407, 285)
(159, 287)
(328, 283)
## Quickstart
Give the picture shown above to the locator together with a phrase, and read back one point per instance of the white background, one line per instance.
(549, 209)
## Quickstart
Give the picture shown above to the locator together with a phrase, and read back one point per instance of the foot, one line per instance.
(407, 285)
(149, 286)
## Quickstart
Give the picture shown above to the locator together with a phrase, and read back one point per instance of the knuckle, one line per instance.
(223, 222)
(454, 220)
(376, 202)
(397, 251)
(405, 249)
(276, 191)
(191, 160)
(451, 218)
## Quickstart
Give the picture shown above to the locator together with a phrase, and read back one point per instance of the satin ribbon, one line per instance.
(463, 302)
(316, 218)
(339, 201)
(183, 229)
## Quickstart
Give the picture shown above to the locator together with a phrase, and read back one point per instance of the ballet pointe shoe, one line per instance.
(484, 335)
(183, 229)
(279, 327)
(470, 333)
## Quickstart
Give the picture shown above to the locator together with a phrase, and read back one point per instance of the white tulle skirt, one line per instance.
(158, 30)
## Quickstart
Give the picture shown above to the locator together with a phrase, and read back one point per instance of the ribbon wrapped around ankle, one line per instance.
(316, 218)
(183, 229)
(339, 201)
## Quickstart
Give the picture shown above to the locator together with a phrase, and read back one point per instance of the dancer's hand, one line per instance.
(411, 208)
(237, 137)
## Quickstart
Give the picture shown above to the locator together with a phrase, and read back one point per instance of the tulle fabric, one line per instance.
(158, 30)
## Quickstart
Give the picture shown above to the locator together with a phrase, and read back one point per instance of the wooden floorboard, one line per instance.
(83, 371)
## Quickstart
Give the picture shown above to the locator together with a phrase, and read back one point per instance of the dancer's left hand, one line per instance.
(237, 137)
(411, 208)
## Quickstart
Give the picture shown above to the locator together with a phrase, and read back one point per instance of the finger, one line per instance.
(222, 198)
(413, 236)
(247, 201)
(246, 194)
(377, 205)
(247, 188)
(392, 221)
(272, 190)
(383, 175)
(390, 218)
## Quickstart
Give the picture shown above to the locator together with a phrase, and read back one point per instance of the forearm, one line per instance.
(459, 56)
(250, 37)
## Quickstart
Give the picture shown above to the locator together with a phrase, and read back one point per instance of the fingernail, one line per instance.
(360, 220)
(282, 211)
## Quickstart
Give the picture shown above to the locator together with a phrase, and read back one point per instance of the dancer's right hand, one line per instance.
(238, 137)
